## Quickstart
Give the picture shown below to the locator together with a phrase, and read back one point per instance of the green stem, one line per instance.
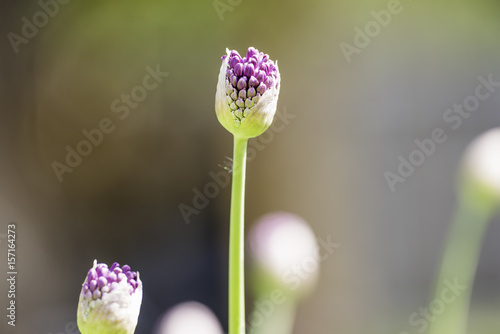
(236, 240)
(450, 306)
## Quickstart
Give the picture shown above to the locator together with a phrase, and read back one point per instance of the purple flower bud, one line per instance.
(101, 281)
(253, 82)
(261, 77)
(112, 277)
(233, 80)
(265, 67)
(251, 92)
(254, 61)
(238, 69)
(242, 83)
(242, 94)
(108, 306)
(253, 77)
(261, 89)
(235, 53)
(249, 70)
(234, 60)
(269, 82)
(252, 52)
(92, 275)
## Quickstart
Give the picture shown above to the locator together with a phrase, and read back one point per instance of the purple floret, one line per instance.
(102, 279)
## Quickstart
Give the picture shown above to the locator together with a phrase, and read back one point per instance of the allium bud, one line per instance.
(247, 93)
(285, 254)
(481, 167)
(110, 300)
(187, 318)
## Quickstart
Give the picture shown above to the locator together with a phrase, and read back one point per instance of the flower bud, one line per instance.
(254, 77)
(189, 317)
(110, 300)
(285, 255)
(481, 169)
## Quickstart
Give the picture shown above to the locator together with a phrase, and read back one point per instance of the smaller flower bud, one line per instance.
(189, 317)
(234, 81)
(242, 83)
(252, 52)
(249, 70)
(251, 92)
(261, 76)
(238, 69)
(234, 95)
(280, 243)
(253, 82)
(109, 303)
(242, 94)
(481, 169)
(240, 103)
(261, 89)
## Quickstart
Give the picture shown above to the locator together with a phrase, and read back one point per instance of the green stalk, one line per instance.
(236, 240)
(459, 264)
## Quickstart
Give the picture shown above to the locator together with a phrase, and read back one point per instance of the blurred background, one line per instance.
(351, 114)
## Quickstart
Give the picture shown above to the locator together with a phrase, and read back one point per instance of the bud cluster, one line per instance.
(110, 300)
(247, 92)
(247, 79)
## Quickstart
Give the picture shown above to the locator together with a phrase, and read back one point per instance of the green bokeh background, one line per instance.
(352, 120)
